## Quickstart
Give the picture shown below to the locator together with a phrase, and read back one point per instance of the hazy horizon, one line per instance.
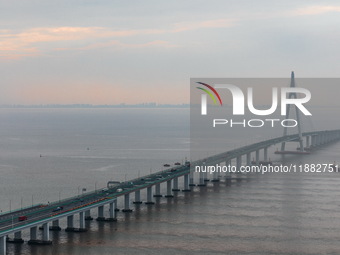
(112, 52)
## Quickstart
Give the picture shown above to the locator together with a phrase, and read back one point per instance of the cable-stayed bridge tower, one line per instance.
(299, 126)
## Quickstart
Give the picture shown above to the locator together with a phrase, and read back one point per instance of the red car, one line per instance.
(22, 218)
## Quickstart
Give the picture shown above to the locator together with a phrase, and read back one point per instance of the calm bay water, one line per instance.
(84, 148)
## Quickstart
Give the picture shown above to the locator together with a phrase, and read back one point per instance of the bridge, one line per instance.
(47, 216)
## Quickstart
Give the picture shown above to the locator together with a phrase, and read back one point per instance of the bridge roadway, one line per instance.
(9, 222)
(42, 215)
(216, 159)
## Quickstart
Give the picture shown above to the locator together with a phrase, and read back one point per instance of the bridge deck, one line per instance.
(9, 222)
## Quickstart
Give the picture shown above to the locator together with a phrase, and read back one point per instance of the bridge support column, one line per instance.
(313, 141)
(112, 212)
(265, 154)
(55, 225)
(168, 189)
(215, 176)
(186, 183)
(149, 196)
(257, 160)
(227, 164)
(33, 233)
(101, 213)
(116, 206)
(70, 223)
(206, 179)
(321, 139)
(238, 163)
(248, 159)
(158, 190)
(307, 141)
(317, 138)
(17, 237)
(2, 245)
(137, 197)
(127, 203)
(46, 233)
(175, 184)
(82, 222)
(88, 215)
(201, 177)
(191, 177)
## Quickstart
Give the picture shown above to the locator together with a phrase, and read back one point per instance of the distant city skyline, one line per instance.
(113, 52)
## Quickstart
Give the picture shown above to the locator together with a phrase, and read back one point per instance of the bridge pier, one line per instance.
(116, 205)
(215, 177)
(321, 139)
(70, 223)
(55, 226)
(206, 179)
(45, 236)
(127, 203)
(238, 163)
(175, 184)
(265, 154)
(17, 238)
(82, 227)
(168, 189)
(248, 159)
(157, 190)
(149, 196)
(227, 163)
(307, 141)
(101, 213)
(46, 233)
(113, 216)
(33, 233)
(201, 178)
(191, 177)
(257, 159)
(313, 141)
(2, 245)
(318, 140)
(186, 183)
(88, 215)
(137, 197)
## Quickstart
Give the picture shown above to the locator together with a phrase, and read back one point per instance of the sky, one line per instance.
(112, 52)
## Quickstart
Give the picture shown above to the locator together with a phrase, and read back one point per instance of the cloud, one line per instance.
(216, 23)
(15, 45)
(316, 10)
(34, 41)
(120, 45)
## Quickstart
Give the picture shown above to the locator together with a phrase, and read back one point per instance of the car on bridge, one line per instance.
(59, 208)
(22, 218)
